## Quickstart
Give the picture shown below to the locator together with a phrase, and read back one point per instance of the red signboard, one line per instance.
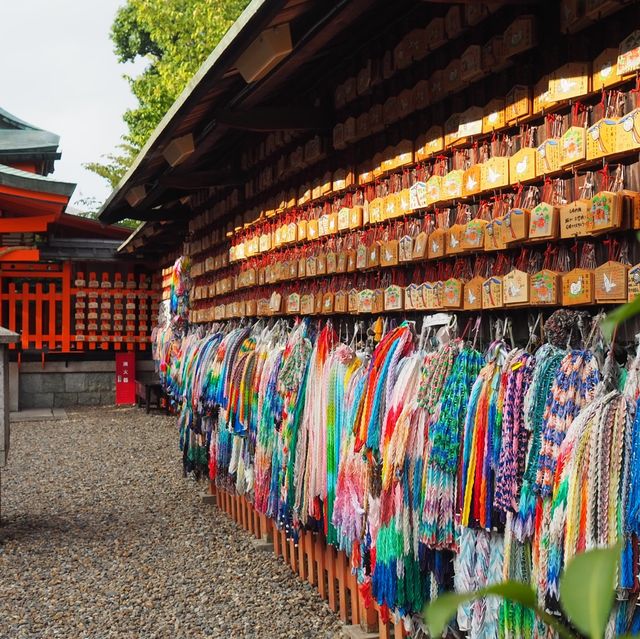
(125, 378)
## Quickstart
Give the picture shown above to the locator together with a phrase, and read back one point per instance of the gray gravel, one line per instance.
(101, 536)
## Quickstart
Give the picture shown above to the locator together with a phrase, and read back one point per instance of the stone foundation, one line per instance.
(66, 384)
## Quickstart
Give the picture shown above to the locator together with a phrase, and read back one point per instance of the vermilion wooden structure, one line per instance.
(44, 250)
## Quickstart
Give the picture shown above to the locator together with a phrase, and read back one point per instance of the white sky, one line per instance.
(58, 72)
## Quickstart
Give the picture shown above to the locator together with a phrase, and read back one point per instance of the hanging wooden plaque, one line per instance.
(343, 218)
(628, 132)
(633, 280)
(571, 80)
(318, 302)
(307, 304)
(576, 219)
(601, 138)
(418, 196)
(321, 263)
(495, 173)
(522, 165)
(573, 145)
(436, 244)
(389, 253)
(494, 116)
(472, 297)
(420, 246)
(327, 303)
(492, 292)
(393, 298)
(606, 212)
(352, 257)
(629, 54)
(375, 210)
(473, 238)
(452, 293)
(355, 217)
(493, 235)
(293, 303)
(434, 189)
(577, 287)
(548, 157)
(373, 255)
(405, 249)
(544, 222)
(417, 297)
(340, 302)
(353, 304)
(302, 267)
(361, 257)
(408, 300)
(472, 180)
(605, 70)
(611, 282)
(454, 239)
(543, 288)
(311, 269)
(517, 104)
(378, 301)
(515, 288)
(332, 262)
(515, 227)
(452, 185)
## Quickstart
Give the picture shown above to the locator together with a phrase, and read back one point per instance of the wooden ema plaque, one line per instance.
(378, 301)
(492, 292)
(420, 246)
(405, 249)
(543, 222)
(628, 132)
(340, 302)
(577, 287)
(548, 157)
(473, 238)
(517, 104)
(393, 298)
(569, 81)
(436, 244)
(408, 297)
(605, 70)
(472, 180)
(606, 212)
(601, 138)
(515, 288)
(365, 301)
(418, 196)
(576, 219)
(611, 282)
(494, 116)
(452, 293)
(454, 239)
(495, 173)
(573, 145)
(515, 227)
(633, 283)
(389, 253)
(353, 304)
(543, 288)
(434, 189)
(472, 297)
(293, 303)
(493, 239)
(452, 185)
(522, 165)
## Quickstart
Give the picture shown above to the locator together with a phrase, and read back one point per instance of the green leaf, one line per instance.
(587, 589)
(440, 611)
(619, 315)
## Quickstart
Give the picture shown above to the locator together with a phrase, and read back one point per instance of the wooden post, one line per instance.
(6, 337)
(341, 575)
(302, 564)
(318, 551)
(276, 539)
(369, 619)
(398, 628)
(354, 595)
(330, 561)
(309, 555)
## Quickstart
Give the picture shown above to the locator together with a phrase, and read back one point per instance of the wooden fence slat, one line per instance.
(38, 313)
(25, 315)
(52, 297)
(66, 307)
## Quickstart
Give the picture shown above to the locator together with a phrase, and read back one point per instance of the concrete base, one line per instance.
(38, 415)
(356, 632)
(262, 545)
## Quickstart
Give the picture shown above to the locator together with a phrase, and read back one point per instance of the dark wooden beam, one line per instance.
(200, 179)
(274, 119)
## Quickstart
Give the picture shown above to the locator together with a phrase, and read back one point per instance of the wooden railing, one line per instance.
(316, 562)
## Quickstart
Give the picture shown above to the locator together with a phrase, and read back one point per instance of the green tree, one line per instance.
(175, 37)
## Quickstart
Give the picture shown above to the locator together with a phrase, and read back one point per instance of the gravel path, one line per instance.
(101, 536)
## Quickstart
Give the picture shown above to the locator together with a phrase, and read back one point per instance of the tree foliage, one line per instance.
(174, 37)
